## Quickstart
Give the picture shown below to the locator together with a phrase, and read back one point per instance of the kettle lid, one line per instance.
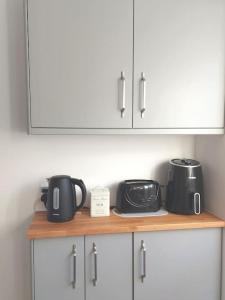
(60, 177)
(185, 162)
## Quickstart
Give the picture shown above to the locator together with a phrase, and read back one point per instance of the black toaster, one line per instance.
(138, 196)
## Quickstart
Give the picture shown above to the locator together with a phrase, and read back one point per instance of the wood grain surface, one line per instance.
(83, 224)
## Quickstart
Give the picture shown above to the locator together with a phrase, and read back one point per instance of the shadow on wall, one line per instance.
(15, 260)
(161, 172)
(15, 254)
(17, 64)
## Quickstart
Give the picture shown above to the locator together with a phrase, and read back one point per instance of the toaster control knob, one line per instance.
(56, 198)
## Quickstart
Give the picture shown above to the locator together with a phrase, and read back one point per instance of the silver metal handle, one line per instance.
(143, 271)
(197, 203)
(56, 198)
(122, 95)
(142, 94)
(74, 253)
(94, 280)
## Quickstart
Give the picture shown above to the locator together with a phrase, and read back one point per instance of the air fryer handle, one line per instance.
(82, 186)
(197, 203)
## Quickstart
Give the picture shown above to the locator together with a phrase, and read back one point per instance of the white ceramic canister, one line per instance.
(100, 202)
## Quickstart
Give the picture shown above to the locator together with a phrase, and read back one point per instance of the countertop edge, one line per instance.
(42, 229)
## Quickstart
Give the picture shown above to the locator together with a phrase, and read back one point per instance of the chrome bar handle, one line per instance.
(142, 94)
(197, 199)
(143, 271)
(74, 253)
(122, 95)
(94, 280)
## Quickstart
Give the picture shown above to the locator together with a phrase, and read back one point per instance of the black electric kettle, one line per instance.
(60, 199)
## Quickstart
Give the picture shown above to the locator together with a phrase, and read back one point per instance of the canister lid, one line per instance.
(185, 162)
(99, 190)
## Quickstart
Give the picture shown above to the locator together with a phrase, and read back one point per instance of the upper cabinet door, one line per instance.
(77, 50)
(179, 45)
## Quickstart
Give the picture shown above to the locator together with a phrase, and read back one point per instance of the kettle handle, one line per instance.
(82, 186)
(44, 198)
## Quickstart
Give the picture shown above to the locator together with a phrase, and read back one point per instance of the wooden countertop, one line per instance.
(83, 224)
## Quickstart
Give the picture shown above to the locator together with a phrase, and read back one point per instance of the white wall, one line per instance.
(26, 160)
(211, 152)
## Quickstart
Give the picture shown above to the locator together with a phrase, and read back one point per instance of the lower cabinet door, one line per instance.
(177, 265)
(108, 267)
(58, 269)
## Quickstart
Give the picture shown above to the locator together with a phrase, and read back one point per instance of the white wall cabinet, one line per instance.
(77, 51)
(180, 47)
(171, 53)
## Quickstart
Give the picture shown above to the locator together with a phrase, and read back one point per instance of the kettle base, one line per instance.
(53, 219)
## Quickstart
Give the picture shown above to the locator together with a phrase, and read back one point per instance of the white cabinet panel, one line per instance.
(180, 47)
(54, 269)
(77, 51)
(113, 269)
(181, 264)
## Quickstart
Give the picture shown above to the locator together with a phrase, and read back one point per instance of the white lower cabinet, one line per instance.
(108, 267)
(58, 269)
(165, 265)
(177, 265)
(62, 266)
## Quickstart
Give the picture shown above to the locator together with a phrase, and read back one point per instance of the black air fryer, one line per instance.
(185, 187)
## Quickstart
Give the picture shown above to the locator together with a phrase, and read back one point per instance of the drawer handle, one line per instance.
(143, 266)
(95, 253)
(74, 253)
(197, 203)
(122, 95)
(142, 95)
